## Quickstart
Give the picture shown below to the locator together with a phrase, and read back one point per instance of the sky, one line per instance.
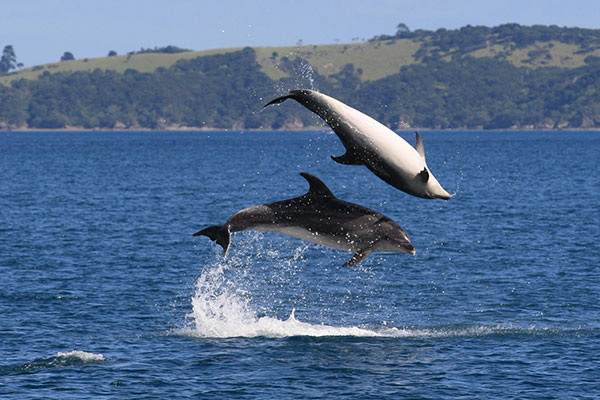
(40, 31)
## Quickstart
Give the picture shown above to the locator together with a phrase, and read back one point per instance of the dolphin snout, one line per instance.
(440, 193)
(445, 196)
(408, 248)
(436, 191)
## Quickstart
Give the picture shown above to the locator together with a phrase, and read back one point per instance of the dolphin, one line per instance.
(373, 145)
(319, 217)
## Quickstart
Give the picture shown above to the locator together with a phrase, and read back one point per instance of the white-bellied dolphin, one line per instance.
(373, 145)
(319, 217)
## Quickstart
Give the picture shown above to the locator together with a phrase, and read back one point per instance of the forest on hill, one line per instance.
(509, 76)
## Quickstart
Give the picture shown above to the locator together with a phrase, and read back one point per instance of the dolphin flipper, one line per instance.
(358, 257)
(348, 159)
(218, 233)
(424, 175)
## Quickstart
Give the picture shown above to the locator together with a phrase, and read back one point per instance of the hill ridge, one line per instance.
(472, 77)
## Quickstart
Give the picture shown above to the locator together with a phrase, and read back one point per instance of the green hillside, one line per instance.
(146, 62)
(376, 58)
(473, 77)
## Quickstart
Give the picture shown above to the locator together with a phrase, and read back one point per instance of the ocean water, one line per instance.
(104, 293)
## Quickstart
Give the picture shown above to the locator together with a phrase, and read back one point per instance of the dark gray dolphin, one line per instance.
(373, 145)
(319, 217)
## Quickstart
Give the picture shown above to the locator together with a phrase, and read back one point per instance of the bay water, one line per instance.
(104, 293)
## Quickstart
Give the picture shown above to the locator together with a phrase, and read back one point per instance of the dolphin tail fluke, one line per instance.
(303, 96)
(218, 233)
(278, 100)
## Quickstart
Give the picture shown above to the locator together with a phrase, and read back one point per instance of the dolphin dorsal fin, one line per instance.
(420, 146)
(317, 187)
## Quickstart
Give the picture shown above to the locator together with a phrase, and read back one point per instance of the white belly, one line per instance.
(310, 236)
(378, 138)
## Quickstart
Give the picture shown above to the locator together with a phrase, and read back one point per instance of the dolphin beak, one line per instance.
(442, 194)
(408, 248)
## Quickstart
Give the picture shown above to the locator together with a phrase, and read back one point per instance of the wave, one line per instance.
(75, 357)
(71, 358)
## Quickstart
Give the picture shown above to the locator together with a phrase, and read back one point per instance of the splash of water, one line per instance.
(306, 73)
(256, 290)
(222, 305)
(219, 308)
(457, 189)
(303, 76)
(222, 311)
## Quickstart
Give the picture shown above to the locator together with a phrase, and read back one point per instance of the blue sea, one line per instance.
(105, 293)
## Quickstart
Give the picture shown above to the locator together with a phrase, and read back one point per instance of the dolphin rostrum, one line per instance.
(373, 145)
(319, 217)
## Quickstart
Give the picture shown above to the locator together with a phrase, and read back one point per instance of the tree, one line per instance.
(8, 61)
(112, 53)
(67, 56)
(402, 28)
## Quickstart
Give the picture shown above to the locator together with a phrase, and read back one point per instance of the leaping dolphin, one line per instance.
(319, 217)
(373, 145)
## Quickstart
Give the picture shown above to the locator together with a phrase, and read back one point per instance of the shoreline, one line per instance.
(294, 129)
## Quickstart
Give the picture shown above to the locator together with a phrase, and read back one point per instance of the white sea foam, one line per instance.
(233, 322)
(82, 356)
(247, 325)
